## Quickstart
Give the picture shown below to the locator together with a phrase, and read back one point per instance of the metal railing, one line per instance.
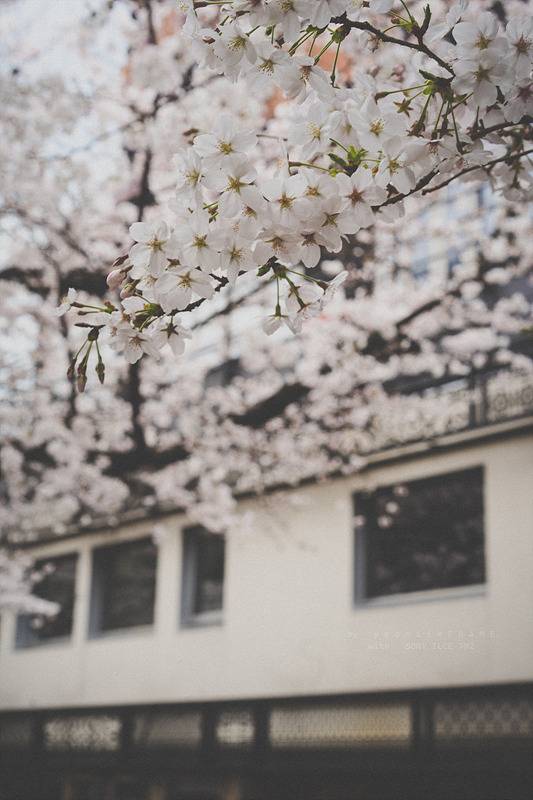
(453, 406)
(398, 725)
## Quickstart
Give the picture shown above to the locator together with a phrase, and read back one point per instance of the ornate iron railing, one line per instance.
(448, 407)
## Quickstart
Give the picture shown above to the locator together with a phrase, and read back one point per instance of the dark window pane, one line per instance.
(426, 534)
(124, 585)
(131, 789)
(87, 788)
(57, 585)
(210, 573)
(203, 573)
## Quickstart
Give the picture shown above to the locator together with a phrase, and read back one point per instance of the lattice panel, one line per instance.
(16, 733)
(341, 726)
(87, 732)
(168, 729)
(483, 719)
(235, 728)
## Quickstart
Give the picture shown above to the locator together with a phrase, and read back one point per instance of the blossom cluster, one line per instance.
(17, 578)
(351, 152)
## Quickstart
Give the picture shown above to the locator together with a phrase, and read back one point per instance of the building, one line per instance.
(376, 643)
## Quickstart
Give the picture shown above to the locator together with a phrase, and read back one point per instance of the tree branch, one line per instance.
(419, 46)
(487, 165)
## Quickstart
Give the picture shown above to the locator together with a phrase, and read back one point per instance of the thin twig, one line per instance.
(384, 37)
(465, 171)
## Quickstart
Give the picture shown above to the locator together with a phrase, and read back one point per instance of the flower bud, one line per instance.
(115, 278)
(118, 262)
(71, 370)
(127, 291)
(100, 371)
(82, 375)
(82, 381)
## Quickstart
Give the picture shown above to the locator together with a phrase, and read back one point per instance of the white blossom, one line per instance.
(66, 303)
(196, 239)
(361, 192)
(155, 246)
(175, 287)
(519, 32)
(226, 141)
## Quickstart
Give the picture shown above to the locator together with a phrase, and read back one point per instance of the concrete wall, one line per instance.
(290, 625)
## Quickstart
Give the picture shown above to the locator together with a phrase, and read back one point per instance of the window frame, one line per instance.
(360, 553)
(188, 617)
(23, 634)
(97, 592)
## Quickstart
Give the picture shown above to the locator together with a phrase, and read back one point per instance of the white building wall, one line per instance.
(290, 624)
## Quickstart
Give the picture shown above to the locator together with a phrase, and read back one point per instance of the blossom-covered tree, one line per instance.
(348, 177)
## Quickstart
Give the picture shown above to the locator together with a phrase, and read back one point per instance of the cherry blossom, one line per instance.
(176, 286)
(362, 194)
(135, 344)
(155, 246)
(480, 76)
(519, 33)
(235, 182)
(66, 303)
(195, 236)
(233, 45)
(225, 142)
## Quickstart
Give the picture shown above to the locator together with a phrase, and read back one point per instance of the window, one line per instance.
(56, 585)
(123, 590)
(203, 576)
(425, 534)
